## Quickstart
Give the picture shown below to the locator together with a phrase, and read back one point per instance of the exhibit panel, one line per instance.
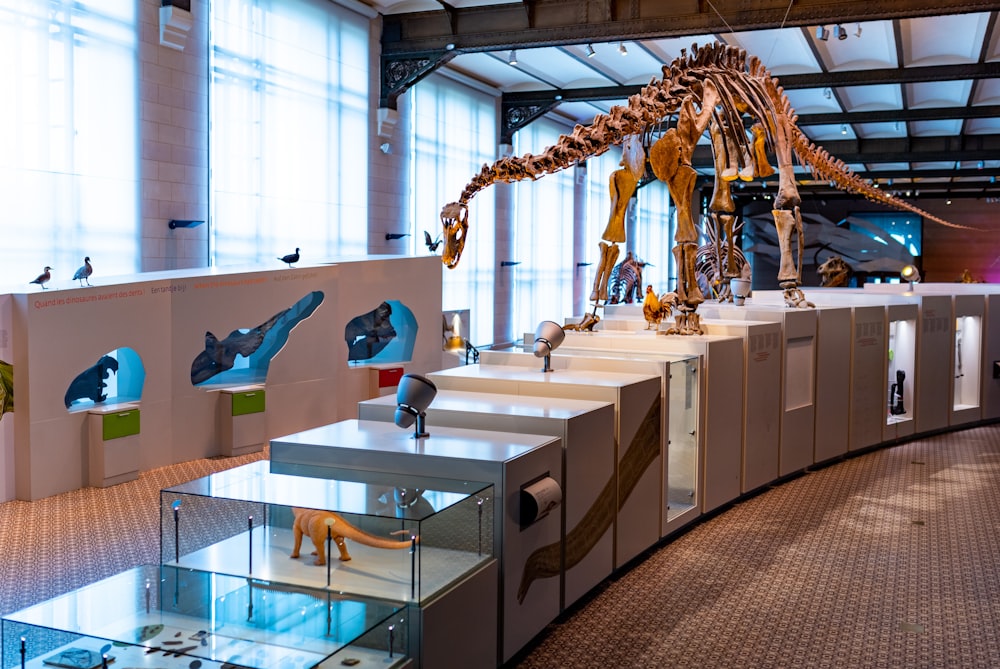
(423, 541)
(935, 360)
(638, 430)
(721, 387)
(587, 431)
(6, 400)
(969, 312)
(525, 471)
(900, 371)
(181, 618)
(120, 356)
(760, 411)
(833, 382)
(167, 340)
(868, 389)
(798, 350)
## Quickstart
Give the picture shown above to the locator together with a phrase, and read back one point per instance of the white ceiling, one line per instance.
(787, 52)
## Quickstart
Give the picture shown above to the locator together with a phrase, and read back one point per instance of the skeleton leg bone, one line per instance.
(609, 256)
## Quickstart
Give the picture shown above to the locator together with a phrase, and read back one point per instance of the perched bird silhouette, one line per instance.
(432, 246)
(43, 278)
(83, 274)
(291, 257)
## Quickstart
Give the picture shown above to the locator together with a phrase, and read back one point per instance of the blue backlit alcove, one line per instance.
(244, 356)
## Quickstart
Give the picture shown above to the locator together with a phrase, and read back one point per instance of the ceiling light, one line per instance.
(621, 49)
(512, 59)
(843, 128)
(822, 33)
(590, 51)
(947, 201)
(888, 182)
(993, 180)
(827, 93)
(857, 33)
(981, 165)
(841, 32)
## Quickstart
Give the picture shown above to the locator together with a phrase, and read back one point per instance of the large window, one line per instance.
(454, 134)
(68, 137)
(289, 130)
(651, 237)
(656, 222)
(543, 236)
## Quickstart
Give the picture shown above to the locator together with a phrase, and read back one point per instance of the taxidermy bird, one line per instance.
(432, 246)
(43, 278)
(651, 308)
(83, 274)
(290, 258)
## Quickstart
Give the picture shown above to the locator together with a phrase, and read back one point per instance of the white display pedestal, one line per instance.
(761, 407)
(721, 388)
(114, 444)
(935, 360)
(242, 420)
(639, 427)
(529, 596)
(587, 432)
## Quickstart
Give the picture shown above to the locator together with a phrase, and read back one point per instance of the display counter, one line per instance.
(586, 430)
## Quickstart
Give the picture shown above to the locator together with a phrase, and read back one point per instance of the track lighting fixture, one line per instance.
(828, 93)
(980, 164)
(843, 128)
(590, 51)
(857, 33)
(512, 59)
(822, 33)
(621, 49)
(841, 32)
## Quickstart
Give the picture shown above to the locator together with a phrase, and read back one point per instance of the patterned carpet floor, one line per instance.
(889, 559)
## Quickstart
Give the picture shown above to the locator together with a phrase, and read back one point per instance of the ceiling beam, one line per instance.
(895, 150)
(902, 115)
(558, 22)
(788, 82)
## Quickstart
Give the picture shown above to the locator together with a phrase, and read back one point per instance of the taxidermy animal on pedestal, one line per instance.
(91, 383)
(319, 525)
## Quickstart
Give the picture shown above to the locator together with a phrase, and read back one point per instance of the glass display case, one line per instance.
(169, 617)
(392, 536)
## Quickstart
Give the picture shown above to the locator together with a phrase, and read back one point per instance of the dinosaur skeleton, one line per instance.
(719, 89)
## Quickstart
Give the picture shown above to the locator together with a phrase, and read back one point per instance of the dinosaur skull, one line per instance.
(455, 221)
